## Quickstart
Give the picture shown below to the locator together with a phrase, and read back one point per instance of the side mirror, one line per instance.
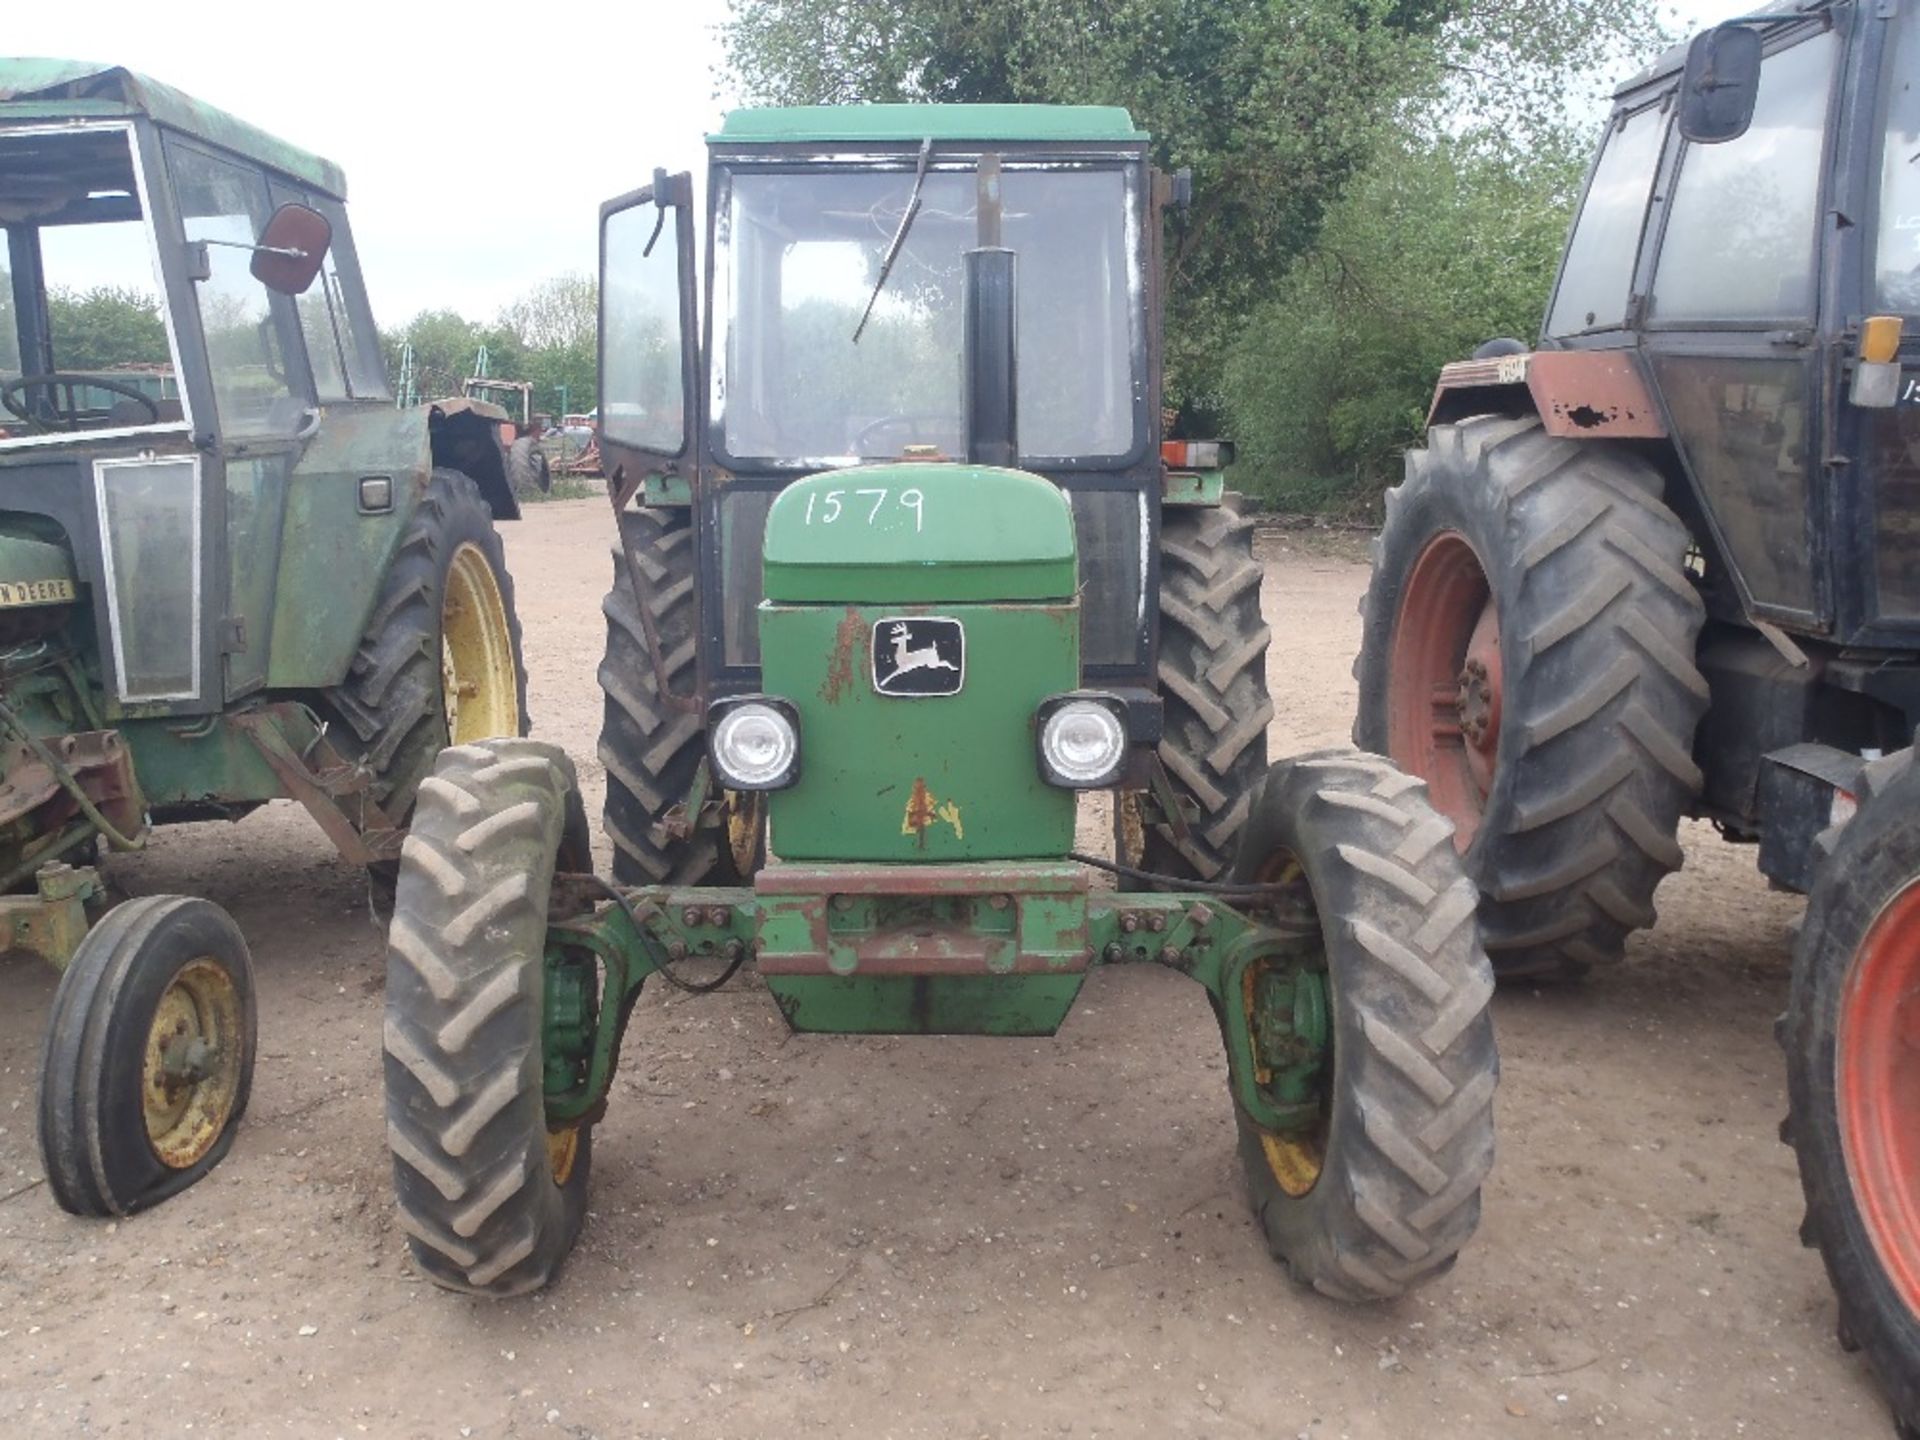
(1721, 80)
(291, 249)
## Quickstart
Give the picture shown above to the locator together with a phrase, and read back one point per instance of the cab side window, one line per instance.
(225, 201)
(1741, 231)
(1598, 273)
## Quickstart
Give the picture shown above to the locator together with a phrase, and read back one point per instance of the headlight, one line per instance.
(1083, 741)
(753, 743)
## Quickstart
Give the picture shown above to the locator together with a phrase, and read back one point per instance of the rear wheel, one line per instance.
(1528, 651)
(527, 470)
(1213, 683)
(149, 1056)
(1381, 1190)
(491, 1199)
(1852, 1040)
(440, 663)
(651, 746)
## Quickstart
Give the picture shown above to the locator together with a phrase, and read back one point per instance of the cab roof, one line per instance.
(48, 89)
(1675, 58)
(839, 123)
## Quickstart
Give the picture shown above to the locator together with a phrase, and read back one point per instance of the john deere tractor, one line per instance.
(230, 572)
(903, 572)
(1667, 563)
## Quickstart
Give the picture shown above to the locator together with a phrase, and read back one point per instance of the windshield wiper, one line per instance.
(899, 237)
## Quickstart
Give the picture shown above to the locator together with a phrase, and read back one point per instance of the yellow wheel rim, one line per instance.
(191, 1074)
(479, 681)
(743, 831)
(563, 1149)
(1295, 1160)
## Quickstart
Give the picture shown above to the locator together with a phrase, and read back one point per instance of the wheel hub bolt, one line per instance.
(1474, 699)
(693, 915)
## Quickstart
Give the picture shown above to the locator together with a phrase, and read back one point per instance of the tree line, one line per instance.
(1379, 185)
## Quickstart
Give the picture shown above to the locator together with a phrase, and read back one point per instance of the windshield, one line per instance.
(1898, 263)
(799, 257)
(80, 295)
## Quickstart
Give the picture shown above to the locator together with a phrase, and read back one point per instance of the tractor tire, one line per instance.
(445, 610)
(1213, 683)
(491, 1201)
(1387, 1190)
(1539, 586)
(652, 750)
(1851, 1073)
(117, 1132)
(527, 471)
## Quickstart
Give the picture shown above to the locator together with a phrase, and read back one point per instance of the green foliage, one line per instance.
(546, 336)
(1273, 105)
(106, 326)
(1438, 245)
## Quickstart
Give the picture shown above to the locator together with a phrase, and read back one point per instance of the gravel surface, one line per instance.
(940, 1237)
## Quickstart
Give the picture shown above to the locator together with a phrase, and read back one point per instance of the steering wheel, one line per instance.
(69, 416)
(909, 421)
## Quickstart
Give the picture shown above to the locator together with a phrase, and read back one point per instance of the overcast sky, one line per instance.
(478, 140)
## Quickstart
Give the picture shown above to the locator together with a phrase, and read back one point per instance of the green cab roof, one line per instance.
(48, 89)
(839, 123)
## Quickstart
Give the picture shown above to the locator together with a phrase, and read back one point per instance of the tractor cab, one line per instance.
(836, 276)
(1766, 276)
(179, 299)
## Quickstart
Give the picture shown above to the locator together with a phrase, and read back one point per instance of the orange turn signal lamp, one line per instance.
(1880, 339)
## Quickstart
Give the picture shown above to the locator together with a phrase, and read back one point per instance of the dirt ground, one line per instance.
(944, 1237)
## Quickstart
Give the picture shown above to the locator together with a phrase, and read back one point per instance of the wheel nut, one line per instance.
(1115, 952)
(734, 950)
(1129, 922)
(1156, 922)
(677, 949)
(693, 914)
(1169, 954)
(716, 915)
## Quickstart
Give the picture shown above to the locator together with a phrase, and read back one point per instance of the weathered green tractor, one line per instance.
(230, 572)
(904, 570)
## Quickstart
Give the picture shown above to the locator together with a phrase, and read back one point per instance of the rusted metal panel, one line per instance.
(929, 920)
(1593, 394)
(317, 776)
(1578, 394)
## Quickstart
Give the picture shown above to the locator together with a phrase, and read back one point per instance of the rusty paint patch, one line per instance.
(849, 656)
(920, 813)
(924, 811)
(1578, 394)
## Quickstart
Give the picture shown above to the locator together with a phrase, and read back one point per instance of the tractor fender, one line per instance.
(465, 436)
(1578, 394)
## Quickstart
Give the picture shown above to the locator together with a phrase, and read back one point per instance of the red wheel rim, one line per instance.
(1877, 1064)
(1444, 681)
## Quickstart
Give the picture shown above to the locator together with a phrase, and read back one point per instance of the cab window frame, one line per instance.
(1660, 106)
(300, 383)
(1673, 175)
(147, 159)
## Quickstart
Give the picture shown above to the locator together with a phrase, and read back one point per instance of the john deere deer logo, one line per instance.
(918, 656)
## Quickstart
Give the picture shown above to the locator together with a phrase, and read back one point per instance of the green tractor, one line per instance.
(230, 572)
(1668, 564)
(904, 571)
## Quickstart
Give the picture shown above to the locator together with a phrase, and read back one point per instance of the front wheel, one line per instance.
(491, 1199)
(1379, 1190)
(149, 1056)
(1853, 1075)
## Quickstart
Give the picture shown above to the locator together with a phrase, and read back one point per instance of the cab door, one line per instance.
(1730, 326)
(1886, 440)
(262, 388)
(649, 404)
